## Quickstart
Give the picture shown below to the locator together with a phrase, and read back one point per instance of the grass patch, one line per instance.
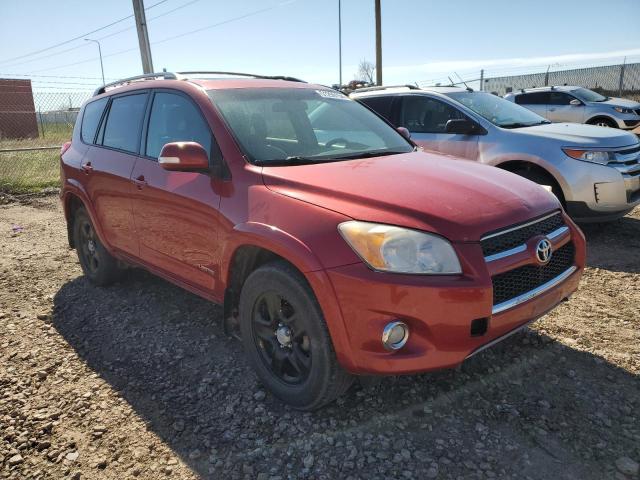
(32, 171)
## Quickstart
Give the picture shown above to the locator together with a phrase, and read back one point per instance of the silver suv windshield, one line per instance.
(589, 95)
(497, 110)
(291, 126)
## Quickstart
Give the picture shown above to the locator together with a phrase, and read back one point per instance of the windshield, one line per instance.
(589, 95)
(302, 125)
(497, 110)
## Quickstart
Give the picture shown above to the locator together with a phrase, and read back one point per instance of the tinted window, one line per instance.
(91, 119)
(537, 98)
(559, 98)
(422, 114)
(124, 121)
(381, 105)
(175, 119)
(589, 95)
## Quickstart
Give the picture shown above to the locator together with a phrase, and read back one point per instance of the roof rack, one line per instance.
(184, 76)
(126, 81)
(237, 74)
(373, 89)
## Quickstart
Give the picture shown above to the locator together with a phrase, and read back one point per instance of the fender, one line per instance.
(75, 188)
(297, 253)
(539, 162)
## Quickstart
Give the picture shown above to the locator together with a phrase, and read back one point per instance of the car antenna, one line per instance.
(451, 80)
(465, 83)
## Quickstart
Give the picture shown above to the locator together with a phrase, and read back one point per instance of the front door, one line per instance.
(561, 110)
(426, 118)
(176, 213)
(108, 165)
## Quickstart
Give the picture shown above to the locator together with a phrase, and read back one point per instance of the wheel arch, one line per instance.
(515, 165)
(72, 199)
(601, 116)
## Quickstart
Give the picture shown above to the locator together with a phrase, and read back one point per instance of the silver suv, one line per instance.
(594, 171)
(578, 105)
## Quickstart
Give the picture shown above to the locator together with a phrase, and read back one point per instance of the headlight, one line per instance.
(593, 156)
(623, 110)
(400, 250)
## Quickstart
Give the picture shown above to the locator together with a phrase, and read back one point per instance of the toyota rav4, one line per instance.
(336, 248)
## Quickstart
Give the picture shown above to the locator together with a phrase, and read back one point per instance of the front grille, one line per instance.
(523, 279)
(497, 243)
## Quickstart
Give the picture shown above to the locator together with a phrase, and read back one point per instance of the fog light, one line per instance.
(395, 335)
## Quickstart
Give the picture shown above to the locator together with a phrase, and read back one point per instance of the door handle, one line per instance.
(86, 168)
(140, 182)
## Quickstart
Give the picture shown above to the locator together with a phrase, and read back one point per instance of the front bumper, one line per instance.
(600, 192)
(438, 310)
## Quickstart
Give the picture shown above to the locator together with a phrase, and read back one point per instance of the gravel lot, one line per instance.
(137, 380)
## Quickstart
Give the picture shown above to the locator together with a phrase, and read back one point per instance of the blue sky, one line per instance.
(423, 41)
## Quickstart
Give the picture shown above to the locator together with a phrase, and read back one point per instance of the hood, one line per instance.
(619, 102)
(578, 134)
(459, 199)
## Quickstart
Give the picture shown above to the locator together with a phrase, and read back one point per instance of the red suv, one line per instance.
(335, 246)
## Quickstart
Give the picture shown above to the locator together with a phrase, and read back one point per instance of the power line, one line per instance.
(79, 36)
(191, 32)
(52, 76)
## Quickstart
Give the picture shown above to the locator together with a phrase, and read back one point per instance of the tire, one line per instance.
(286, 338)
(603, 122)
(542, 178)
(97, 264)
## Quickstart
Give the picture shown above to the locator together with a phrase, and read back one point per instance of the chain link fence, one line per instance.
(33, 127)
(611, 80)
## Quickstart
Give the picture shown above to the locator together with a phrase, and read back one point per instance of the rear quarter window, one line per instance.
(91, 119)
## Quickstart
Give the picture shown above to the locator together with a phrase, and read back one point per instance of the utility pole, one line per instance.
(482, 79)
(99, 53)
(378, 44)
(143, 36)
(340, 41)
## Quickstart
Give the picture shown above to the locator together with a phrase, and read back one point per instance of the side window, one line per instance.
(175, 119)
(422, 114)
(91, 119)
(559, 98)
(536, 98)
(124, 121)
(381, 105)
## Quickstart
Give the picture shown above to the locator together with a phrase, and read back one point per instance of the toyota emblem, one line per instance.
(543, 251)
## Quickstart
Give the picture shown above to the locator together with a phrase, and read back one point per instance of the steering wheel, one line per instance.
(333, 141)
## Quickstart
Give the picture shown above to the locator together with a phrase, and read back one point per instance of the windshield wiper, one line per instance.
(374, 153)
(521, 125)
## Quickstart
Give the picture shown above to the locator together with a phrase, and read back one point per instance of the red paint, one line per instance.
(187, 226)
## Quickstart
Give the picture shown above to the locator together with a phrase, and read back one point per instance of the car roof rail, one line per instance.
(380, 87)
(239, 74)
(128, 80)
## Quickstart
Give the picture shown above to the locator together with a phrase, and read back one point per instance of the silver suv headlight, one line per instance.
(623, 110)
(593, 156)
(400, 250)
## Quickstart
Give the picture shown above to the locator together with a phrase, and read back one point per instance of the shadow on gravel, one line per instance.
(605, 240)
(528, 408)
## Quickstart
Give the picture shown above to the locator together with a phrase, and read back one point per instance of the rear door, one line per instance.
(176, 213)
(108, 164)
(426, 118)
(535, 101)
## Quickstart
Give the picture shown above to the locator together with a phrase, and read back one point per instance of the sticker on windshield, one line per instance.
(332, 94)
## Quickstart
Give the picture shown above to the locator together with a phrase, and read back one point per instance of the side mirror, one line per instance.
(183, 157)
(461, 126)
(404, 132)
(575, 102)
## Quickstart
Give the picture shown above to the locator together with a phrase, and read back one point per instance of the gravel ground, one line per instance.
(137, 380)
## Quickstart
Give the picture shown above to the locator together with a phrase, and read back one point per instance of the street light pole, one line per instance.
(340, 39)
(100, 53)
